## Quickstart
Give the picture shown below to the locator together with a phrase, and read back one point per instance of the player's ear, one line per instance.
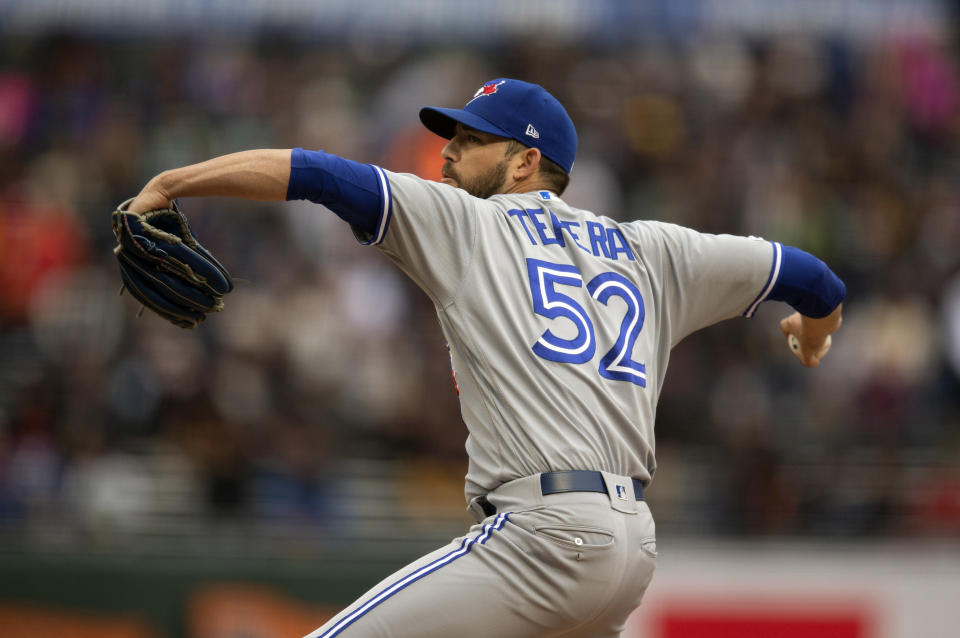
(527, 163)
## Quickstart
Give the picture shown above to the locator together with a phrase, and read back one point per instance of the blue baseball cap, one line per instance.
(518, 110)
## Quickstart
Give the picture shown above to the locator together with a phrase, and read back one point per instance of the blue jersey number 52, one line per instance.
(553, 304)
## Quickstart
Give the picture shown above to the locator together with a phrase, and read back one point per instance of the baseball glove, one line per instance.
(164, 266)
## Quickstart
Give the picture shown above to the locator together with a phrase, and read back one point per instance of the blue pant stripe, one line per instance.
(417, 575)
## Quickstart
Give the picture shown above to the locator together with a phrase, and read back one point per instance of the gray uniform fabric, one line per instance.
(565, 565)
(560, 324)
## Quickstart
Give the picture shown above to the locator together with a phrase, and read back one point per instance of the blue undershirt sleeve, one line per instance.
(357, 193)
(807, 284)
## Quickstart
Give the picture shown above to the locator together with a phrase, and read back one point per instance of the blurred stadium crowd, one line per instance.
(325, 352)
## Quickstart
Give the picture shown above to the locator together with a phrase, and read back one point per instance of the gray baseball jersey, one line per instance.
(560, 325)
(560, 322)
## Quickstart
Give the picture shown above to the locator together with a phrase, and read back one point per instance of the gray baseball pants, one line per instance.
(566, 565)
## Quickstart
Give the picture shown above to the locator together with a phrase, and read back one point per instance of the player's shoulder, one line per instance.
(415, 191)
(658, 230)
(555, 206)
(526, 200)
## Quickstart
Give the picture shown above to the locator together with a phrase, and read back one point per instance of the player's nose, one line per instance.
(451, 151)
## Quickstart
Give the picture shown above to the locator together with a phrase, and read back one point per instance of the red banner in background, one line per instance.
(759, 617)
(759, 625)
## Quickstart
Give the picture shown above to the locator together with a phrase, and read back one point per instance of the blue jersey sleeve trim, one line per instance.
(386, 212)
(807, 284)
(358, 193)
(772, 279)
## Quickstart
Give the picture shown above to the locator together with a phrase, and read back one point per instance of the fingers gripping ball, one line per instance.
(795, 347)
(164, 266)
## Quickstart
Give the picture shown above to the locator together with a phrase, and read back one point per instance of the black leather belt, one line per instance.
(580, 481)
(569, 481)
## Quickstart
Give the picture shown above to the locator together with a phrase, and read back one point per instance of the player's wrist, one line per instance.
(821, 328)
(153, 196)
(164, 184)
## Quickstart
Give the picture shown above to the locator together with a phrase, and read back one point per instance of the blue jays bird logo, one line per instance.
(487, 89)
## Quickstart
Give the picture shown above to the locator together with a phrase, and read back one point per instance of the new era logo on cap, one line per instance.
(516, 110)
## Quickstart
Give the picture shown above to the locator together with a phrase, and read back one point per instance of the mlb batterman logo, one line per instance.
(487, 89)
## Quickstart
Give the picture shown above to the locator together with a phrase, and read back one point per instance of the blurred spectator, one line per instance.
(325, 352)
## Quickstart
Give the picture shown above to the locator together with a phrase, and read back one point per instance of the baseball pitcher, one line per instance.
(560, 323)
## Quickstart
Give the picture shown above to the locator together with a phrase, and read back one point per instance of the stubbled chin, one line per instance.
(448, 180)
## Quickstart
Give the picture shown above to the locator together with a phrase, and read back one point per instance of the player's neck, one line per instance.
(528, 185)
